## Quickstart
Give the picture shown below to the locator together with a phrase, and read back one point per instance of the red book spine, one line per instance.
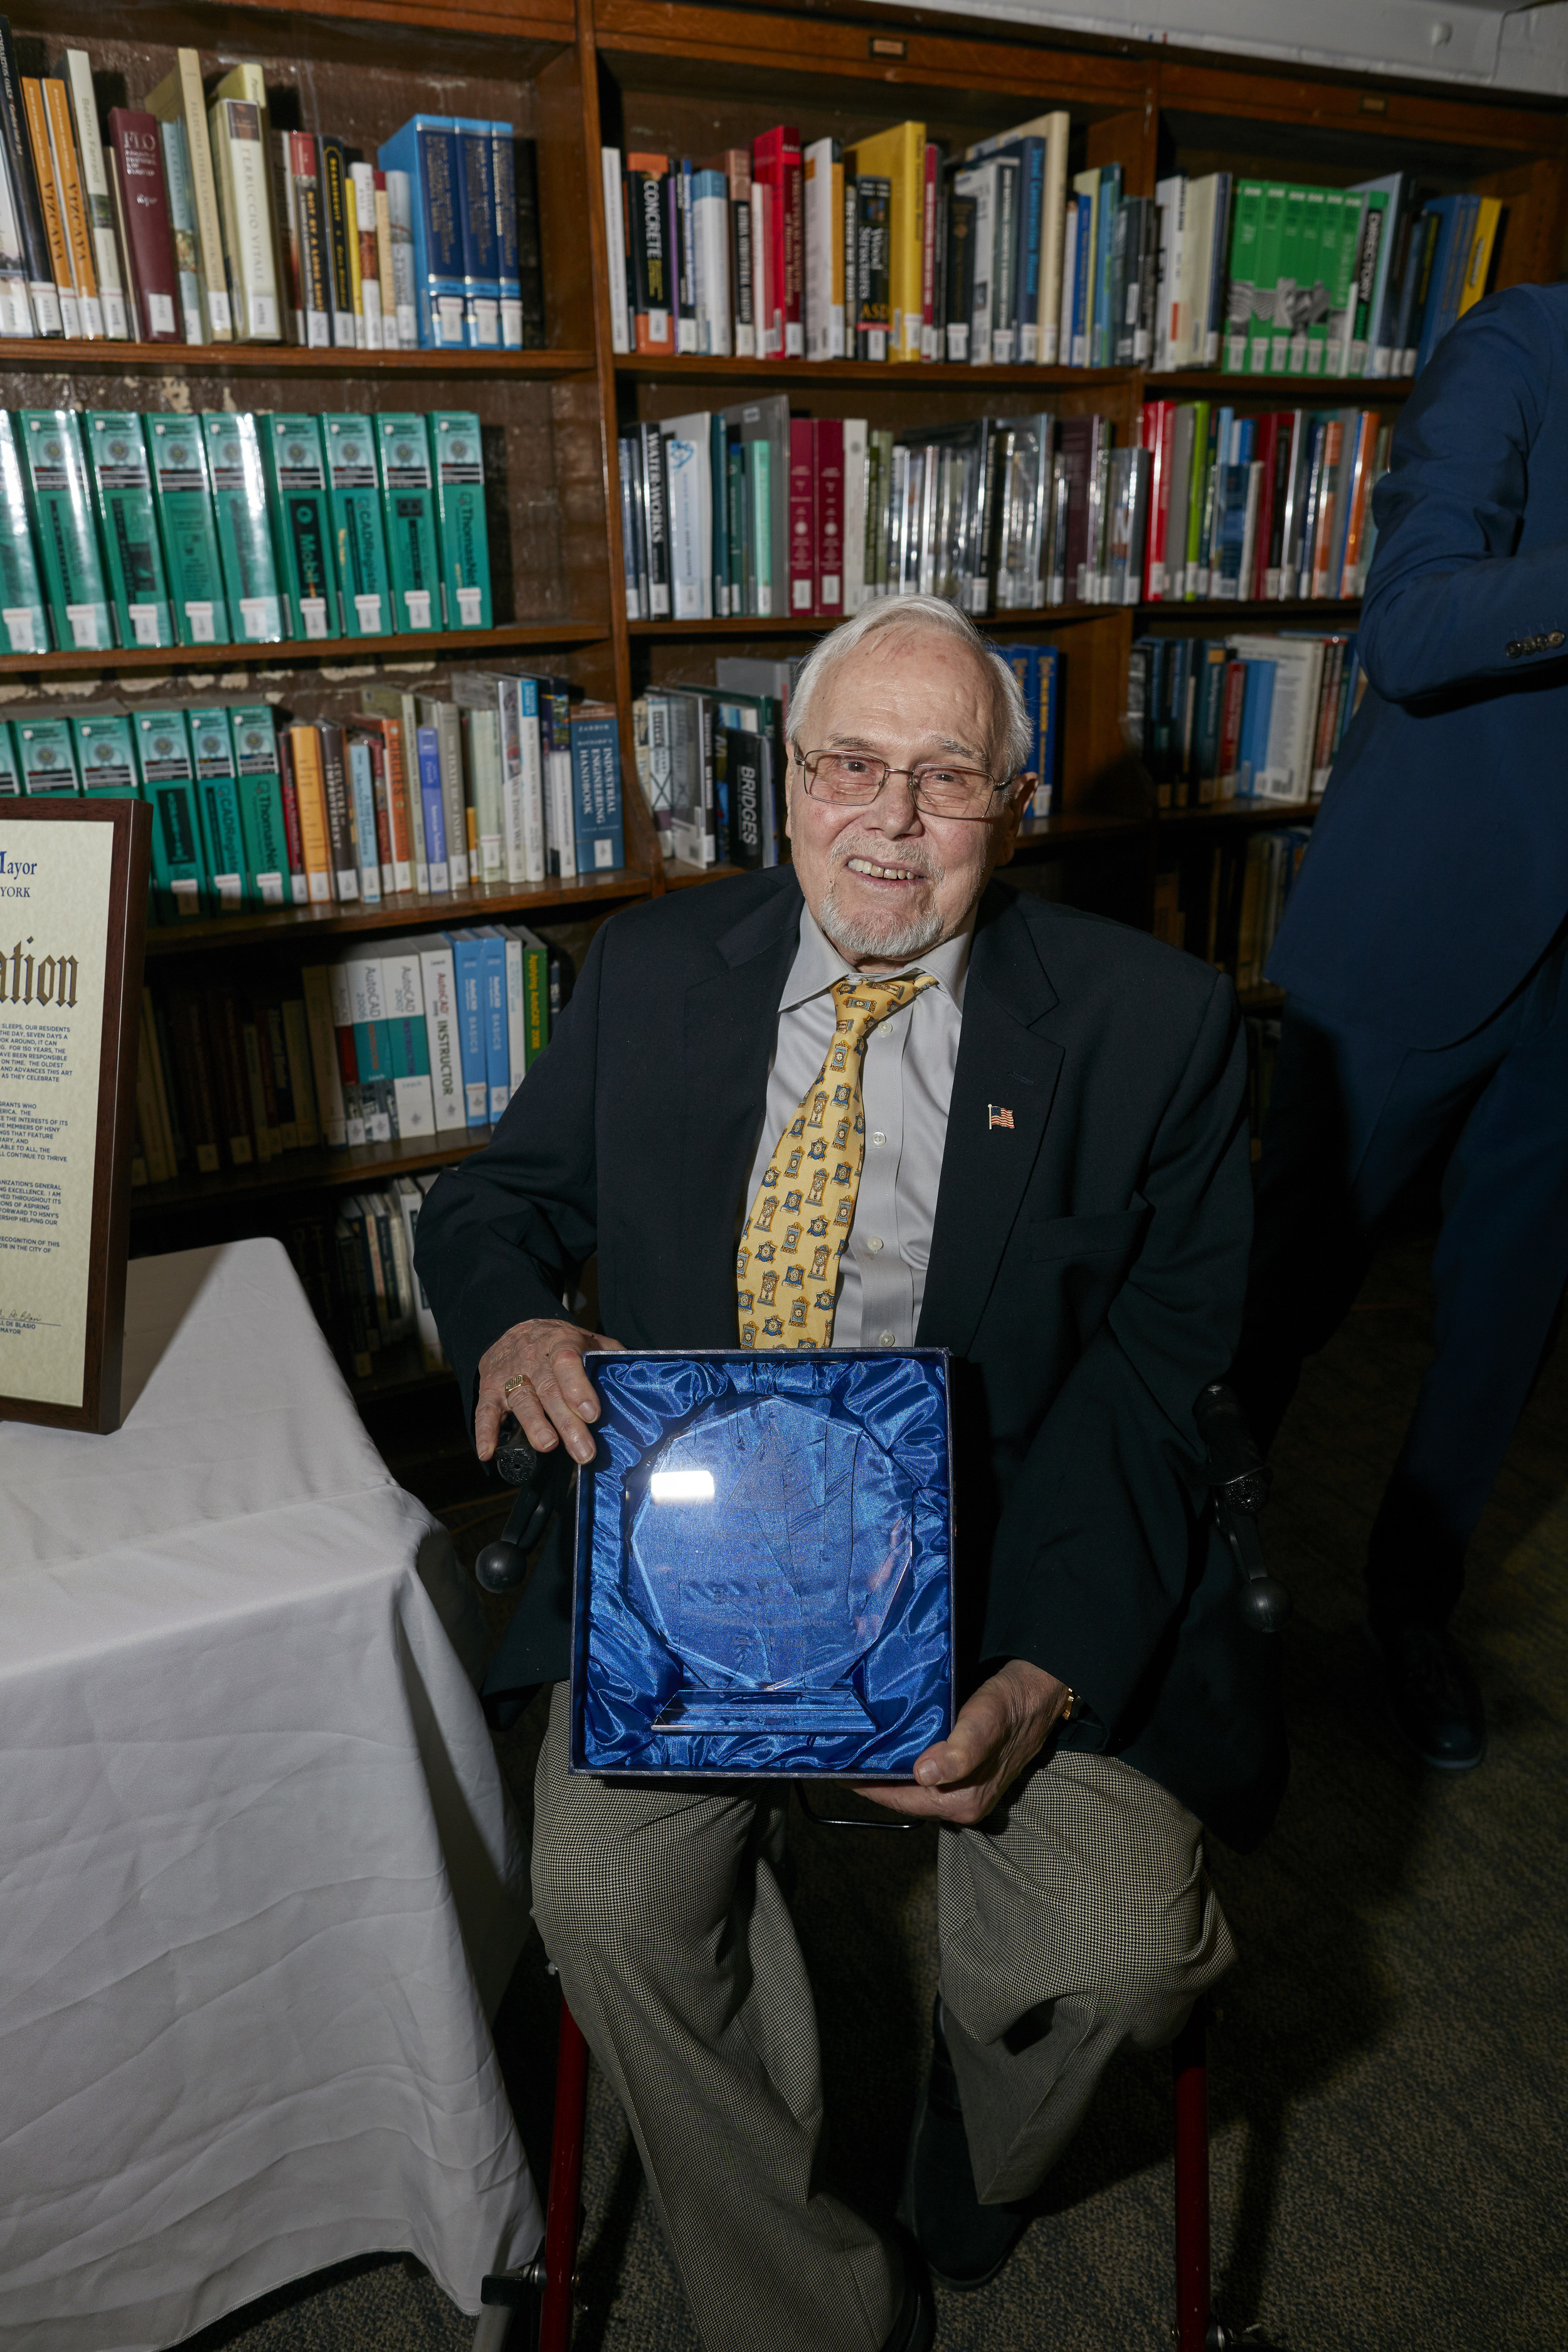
(138, 170)
(1158, 428)
(802, 516)
(794, 177)
(768, 259)
(829, 438)
(1230, 728)
(294, 840)
(928, 252)
(1263, 449)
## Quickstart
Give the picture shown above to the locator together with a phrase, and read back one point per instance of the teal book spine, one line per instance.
(10, 774)
(168, 782)
(128, 527)
(217, 804)
(408, 504)
(359, 531)
(184, 490)
(259, 785)
(301, 520)
(54, 467)
(22, 613)
(457, 462)
(243, 535)
(106, 757)
(46, 756)
(362, 799)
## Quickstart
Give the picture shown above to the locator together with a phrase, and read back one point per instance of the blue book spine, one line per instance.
(1031, 210)
(1082, 308)
(1257, 713)
(498, 1062)
(509, 267)
(468, 967)
(597, 794)
(362, 792)
(427, 149)
(1102, 349)
(432, 807)
(717, 465)
(1447, 209)
(476, 220)
(1047, 727)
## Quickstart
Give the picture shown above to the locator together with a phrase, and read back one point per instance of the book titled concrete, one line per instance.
(457, 462)
(244, 529)
(183, 490)
(22, 613)
(217, 805)
(128, 527)
(408, 506)
(53, 467)
(105, 755)
(169, 783)
(296, 476)
(259, 785)
(46, 756)
(359, 533)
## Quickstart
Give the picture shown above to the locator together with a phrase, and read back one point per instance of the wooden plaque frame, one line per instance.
(111, 1232)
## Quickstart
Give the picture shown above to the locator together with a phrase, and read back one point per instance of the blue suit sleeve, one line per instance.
(1448, 595)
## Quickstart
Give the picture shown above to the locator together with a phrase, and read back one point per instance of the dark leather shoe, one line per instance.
(1432, 1695)
(964, 2241)
(914, 2330)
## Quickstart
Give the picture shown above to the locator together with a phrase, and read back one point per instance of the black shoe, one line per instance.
(1431, 1693)
(964, 2241)
(914, 2330)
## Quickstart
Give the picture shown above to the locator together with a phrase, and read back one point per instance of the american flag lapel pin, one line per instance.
(997, 1115)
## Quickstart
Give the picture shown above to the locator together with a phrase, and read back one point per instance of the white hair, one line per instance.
(1013, 737)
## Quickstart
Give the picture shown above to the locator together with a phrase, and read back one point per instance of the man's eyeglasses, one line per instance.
(852, 781)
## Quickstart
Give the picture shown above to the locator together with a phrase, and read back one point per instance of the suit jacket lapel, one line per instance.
(1003, 1066)
(726, 1046)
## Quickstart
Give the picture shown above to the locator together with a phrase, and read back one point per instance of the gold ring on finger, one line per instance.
(518, 1380)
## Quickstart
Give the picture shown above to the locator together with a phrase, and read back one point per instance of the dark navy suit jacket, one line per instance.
(1088, 1260)
(1439, 870)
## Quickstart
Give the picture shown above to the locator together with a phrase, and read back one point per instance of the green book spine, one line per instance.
(358, 529)
(1293, 288)
(457, 462)
(1328, 263)
(260, 790)
(1309, 262)
(296, 477)
(10, 774)
(55, 470)
(1266, 277)
(184, 490)
(128, 527)
(409, 503)
(46, 756)
(1243, 272)
(245, 539)
(760, 548)
(168, 782)
(106, 757)
(22, 612)
(1195, 516)
(217, 803)
(535, 1000)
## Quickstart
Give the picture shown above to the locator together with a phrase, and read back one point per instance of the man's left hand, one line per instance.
(999, 1731)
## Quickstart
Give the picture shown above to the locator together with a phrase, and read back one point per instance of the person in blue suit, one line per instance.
(1423, 955)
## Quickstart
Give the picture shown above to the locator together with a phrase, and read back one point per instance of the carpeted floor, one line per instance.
(1389, 2070)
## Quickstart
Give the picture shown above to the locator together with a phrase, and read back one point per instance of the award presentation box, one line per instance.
(764, 1565)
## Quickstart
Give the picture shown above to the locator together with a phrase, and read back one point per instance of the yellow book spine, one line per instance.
(49, 198)
(1478, 266)
(310, 794)
(356, 280)
(73, 205)
(908, 225)
(384, 272)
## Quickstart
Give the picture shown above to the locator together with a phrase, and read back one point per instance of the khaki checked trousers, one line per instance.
(1076, 1918)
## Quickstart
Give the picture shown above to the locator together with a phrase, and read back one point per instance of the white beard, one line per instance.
(893, 937)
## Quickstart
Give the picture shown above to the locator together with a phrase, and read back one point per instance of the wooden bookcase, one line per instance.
(695, 79)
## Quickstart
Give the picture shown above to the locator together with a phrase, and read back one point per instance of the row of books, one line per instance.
(1227, 903)
(123, 530)
(197, 220)
(503, 784)
(889, 248)
(1243, 717)
(400, 1039)
(357, 1270)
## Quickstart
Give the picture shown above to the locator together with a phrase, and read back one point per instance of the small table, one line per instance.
(260, 1884)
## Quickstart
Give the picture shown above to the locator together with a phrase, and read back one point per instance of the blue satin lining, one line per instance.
(682, 1608)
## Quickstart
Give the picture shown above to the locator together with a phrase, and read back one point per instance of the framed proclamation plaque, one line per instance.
(73, 910)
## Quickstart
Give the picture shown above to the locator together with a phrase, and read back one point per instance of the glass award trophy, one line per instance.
(765, 1558)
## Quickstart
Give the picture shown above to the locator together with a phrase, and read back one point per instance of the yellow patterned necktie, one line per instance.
(786, 1270)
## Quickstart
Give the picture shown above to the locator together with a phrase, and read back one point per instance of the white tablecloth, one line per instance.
(260, 1886)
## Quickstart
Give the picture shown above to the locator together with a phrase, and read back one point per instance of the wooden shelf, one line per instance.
(52, 354)
(806, 624)
(1331, 610)
(914, 372)
(311, 1171)
(394, 653)
(1263, 999)
(1059, 835)
(1280, 391)
(301, 926)
(399, 1368)
(1249, 815)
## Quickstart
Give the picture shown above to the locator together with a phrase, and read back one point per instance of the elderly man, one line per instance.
(1054, 1185)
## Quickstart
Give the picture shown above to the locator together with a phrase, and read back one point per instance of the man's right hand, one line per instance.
(553, 1398)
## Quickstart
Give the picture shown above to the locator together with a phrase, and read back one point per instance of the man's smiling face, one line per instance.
(886, 882)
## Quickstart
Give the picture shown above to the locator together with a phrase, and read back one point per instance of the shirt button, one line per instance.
(878, 1135)
(873, 1242)
(885, 1339)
